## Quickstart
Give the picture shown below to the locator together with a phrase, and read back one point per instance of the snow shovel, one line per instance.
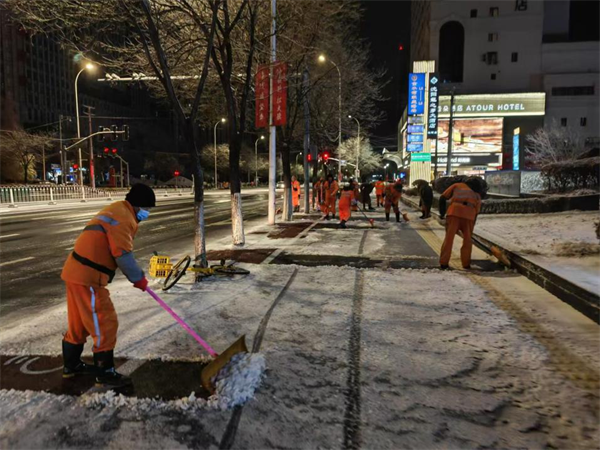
(219, 361)
(371, 221)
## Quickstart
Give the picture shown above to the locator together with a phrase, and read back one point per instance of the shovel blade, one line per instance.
(214, 367)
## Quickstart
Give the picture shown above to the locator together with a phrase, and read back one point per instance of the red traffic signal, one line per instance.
(176, 173)
(106, 150)
(75, 166)
(309, 157)
(114, 150)
(325, 156)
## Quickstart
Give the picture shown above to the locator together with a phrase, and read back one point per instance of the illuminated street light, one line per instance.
(322, 59)
(256, 160)
(223, 120)
(89, 66)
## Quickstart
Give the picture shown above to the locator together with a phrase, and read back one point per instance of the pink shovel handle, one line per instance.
(182, 323)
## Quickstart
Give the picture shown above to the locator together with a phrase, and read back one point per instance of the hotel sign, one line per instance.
(416, 94)
(432, 113)
(494, 105)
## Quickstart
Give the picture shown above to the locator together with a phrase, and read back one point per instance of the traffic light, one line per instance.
(101, 136)
(114, 151)
(75, 166)
(106, 150)
(126, 132)
(114, 135)
(326, 156)
(309, 157)
(176, 173)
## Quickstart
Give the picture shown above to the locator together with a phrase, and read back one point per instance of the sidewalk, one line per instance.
(367, 344)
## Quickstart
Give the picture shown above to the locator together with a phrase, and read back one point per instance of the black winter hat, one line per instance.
(141, 196)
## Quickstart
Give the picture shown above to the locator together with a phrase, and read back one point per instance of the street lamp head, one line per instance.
(262, 137)
(349, 116)
(223, 119)
(90, 66)
(322, 58)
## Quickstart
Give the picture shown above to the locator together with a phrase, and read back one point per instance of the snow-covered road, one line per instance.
(369, 358)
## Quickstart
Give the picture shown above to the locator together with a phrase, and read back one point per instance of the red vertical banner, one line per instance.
(279, 93)
(261, 83)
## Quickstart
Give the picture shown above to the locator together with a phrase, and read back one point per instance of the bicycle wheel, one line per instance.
(176, 273)
(231, 270)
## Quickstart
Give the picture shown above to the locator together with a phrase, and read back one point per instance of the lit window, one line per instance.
(514, 57)
(583, 121)
(563, 122)
(473, 13)
(494, 11)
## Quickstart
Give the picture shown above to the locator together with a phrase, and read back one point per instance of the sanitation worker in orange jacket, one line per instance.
(324, 197)
(104, 244)
(379, 188)
(393, 192)
(465, 204)
(316, 194)
(331, 196)
(347, 200)
(296, 194)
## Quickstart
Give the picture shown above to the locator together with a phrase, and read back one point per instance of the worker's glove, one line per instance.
(141, 284)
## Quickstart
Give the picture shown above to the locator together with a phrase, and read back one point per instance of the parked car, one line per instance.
(280, 185)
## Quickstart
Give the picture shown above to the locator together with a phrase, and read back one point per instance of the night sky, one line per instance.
(386, 26)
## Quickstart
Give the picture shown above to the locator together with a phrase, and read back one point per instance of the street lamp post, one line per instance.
(356, 171)
(323, 59)
(88, 66)
(223, 120)
(256, 160)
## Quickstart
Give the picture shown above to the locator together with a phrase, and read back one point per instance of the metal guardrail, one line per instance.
(15, 195)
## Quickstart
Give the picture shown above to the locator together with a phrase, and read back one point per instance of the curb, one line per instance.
(584, 301)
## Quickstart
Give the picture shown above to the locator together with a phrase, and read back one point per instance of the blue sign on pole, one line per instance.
(414, 137)
(414, 148)
(416, 93)
(415, 128)
(516, 150)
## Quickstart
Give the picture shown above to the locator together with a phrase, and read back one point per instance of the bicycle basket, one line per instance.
(160, 266)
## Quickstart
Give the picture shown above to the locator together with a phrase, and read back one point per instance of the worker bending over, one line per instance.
(347, 200)
(393, 193)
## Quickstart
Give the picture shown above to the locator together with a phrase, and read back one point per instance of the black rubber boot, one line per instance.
(387, 217)
(72, 363)
(107, 376)
(397, 217)
(343, 224)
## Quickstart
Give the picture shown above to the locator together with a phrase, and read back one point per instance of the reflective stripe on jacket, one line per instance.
(106, 241)
(464, 202)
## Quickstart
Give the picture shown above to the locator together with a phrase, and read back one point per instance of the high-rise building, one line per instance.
(492, 46)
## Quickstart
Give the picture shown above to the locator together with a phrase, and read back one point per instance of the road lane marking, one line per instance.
(162, 227)
(9, 235)
(16, 261)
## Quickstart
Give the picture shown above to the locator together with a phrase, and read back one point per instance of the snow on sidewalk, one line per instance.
(438, 366)
(564, 243)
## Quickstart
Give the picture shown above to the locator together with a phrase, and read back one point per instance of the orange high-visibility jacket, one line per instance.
(346, 198)
(392, 195)
(332, 190)
(296, 192)
(379, 187)
(464, 202)
(105, 243)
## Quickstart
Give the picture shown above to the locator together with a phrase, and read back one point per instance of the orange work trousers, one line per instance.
(91, 313)
(331, 205)
(453, 225)
(389, 205)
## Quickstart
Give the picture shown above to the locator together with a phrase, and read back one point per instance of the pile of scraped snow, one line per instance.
(570, 233)
(236, 383)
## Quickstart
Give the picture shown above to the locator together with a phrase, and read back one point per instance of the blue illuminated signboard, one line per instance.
(414, 148)
(414, 138)
(415, 129)
(516, 155)
(432, 113)
(416, 93)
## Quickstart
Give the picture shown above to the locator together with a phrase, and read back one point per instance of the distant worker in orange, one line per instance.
(356, 191)
(331, 196)
(316, 194)
(105, 243)
(295, 194)
(465, 204)
(393, 193)
(379, 190)
(347, 200)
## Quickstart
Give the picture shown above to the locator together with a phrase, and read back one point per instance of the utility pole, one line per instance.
(272, 129)
(61, 151)
(88, 112)
(450, 124)
(305, 88)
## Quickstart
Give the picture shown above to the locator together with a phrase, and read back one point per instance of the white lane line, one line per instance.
(15, 261)
(162, 227)
(9, 235)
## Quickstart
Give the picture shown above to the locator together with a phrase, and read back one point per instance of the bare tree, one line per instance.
(155, 37)
(554, 144)
(368, 160)
(18, 147)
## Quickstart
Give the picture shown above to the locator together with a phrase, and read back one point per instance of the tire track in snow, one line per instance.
(352, 420)
(228, 437)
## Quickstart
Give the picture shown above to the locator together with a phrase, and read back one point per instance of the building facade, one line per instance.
(493, 47)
